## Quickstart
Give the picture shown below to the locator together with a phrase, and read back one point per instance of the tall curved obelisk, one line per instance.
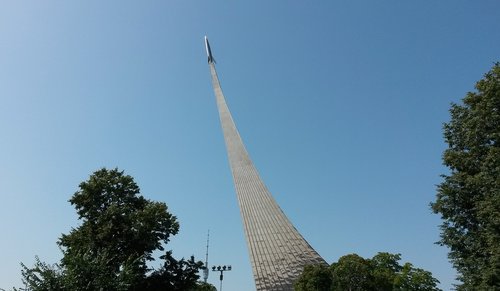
(277, 250)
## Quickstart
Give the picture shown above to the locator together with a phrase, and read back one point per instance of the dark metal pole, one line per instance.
(221, 277)
(221, 270)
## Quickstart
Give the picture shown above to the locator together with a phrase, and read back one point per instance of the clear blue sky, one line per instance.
(340, 104)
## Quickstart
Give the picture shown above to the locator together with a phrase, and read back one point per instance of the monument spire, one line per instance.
(278, 252)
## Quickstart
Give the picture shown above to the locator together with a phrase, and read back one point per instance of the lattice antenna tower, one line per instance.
(205, 271)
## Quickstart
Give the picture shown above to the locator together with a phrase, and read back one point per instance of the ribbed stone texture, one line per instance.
(277, 251)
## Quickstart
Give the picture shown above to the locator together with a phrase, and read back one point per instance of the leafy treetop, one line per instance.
(468, 199)
(110, 250)
(352, 272)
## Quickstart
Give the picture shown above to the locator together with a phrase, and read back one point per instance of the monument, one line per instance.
(278, 252)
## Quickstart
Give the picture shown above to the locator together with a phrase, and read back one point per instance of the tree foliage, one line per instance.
(352, 272)
(410, 278)
(205, 287)
(111, 248)
(43, 276)
(468, 199)
(314, 277)
(385, 270)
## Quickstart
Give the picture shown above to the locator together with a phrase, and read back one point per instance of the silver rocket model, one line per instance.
(209, 51)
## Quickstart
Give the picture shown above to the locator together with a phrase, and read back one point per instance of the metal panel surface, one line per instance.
(278, 252)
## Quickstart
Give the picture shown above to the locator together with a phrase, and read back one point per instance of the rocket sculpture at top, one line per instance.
(278, 252)
(209, 51)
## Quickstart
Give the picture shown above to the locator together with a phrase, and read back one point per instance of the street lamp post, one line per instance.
(221, 269)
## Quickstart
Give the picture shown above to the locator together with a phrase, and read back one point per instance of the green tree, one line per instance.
(205, 287)
(414, 279)
(43, 276)
(351, 272)
(468, 199)
(314, 278)
(114, 243)
(384, 268)
(175, 275)
(380, 273)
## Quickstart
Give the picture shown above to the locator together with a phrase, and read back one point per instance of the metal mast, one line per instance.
(205, 271)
